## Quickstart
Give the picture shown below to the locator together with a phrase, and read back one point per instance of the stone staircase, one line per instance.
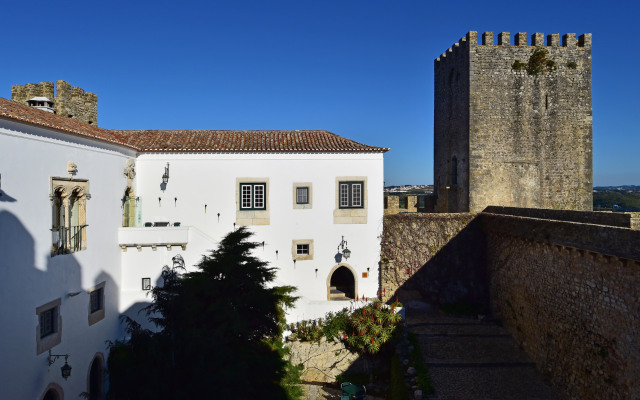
(336, 294)
(473, 359)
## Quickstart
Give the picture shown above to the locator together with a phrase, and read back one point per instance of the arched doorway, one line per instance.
(95, 380)
(341, 283)
(51, 395)
(53, 392)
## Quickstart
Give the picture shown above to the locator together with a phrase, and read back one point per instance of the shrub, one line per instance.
(364, 330)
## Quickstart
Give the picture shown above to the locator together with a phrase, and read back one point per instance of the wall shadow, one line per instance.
(435, 259)
(24, 287)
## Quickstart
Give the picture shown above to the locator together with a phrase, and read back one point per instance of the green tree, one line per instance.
(219, 333)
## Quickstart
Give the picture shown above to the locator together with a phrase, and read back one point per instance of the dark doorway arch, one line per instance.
(51, 395)
(95, 380)
(341, 283)
(53, 391)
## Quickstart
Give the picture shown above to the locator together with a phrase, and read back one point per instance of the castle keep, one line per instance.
(69, 102)
(513, 123)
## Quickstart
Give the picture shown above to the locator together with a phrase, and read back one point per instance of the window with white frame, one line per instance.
(351, 194)
(302, 249)
(49, 331)
(302, 195)
(253, 196)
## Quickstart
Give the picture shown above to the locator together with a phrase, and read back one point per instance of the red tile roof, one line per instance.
(244, 141)
(193, 141)
(16, 111)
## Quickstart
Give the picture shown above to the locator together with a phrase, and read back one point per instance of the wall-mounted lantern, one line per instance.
(165, 176)
(146, 283)
(345, 251)
(66, 368)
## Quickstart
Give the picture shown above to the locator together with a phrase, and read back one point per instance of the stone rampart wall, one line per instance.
(433, 257)
(623, 220)
(570, 294)
(568, 291)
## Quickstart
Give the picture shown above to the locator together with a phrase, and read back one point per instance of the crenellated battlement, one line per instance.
(569, 40)
(513, 110)
(67, 101)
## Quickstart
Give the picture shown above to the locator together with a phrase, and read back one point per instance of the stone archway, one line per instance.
(342, 283)
(95, 378)
(53, 391)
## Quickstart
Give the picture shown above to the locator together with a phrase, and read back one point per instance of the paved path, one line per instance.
(470, 359)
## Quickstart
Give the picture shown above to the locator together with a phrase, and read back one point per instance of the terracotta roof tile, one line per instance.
(219, 141)
(16, 111)
(193, 141)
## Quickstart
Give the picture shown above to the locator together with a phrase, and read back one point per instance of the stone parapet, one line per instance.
(70, 102)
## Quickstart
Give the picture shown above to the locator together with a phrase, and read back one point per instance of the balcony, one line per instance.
(160, 234)
(65, 240)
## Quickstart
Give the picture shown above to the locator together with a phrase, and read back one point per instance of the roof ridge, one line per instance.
(195, 140)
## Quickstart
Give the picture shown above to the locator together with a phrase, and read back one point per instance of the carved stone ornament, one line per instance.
(130, 169)
(72, 169)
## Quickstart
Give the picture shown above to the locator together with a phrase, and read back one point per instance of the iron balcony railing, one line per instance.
(67, 239)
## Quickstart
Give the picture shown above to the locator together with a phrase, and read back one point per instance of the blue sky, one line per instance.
(361, 69)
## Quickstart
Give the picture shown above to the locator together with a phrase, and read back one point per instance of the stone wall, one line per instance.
(433, 257)
(567, 285)
(323, 361)
(570, 294)
(622, 220)
(505, 137)
(70, 102)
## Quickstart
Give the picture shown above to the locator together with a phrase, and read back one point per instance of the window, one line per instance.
(252, 201)
(302, 195)
(48, 322)
(351, 194)
(96, 300)
(49, 330)
(350, 200)
(403, 202)
(69, 216)
(302, 249)
(96, 303)
(252, 196)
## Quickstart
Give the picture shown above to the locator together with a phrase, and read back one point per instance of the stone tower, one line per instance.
(513, 123)
(69, 102)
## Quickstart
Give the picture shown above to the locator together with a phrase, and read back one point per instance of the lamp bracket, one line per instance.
(53, 357)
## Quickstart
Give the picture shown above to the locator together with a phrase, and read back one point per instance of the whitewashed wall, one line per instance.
(30, 277)
(30, 156)
(197, 180)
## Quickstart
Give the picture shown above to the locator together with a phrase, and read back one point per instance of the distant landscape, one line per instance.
(605, 198)
(616, 198)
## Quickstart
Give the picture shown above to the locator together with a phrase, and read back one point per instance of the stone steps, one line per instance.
(335, 294)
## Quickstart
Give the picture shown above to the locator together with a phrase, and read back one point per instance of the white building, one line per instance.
(89, 216)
